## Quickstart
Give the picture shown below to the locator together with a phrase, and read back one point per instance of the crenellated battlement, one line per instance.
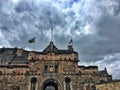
(52, 56)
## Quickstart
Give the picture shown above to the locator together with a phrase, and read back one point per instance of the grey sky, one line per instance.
(94, 26)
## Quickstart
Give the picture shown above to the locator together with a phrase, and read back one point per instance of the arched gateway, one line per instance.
(50, 84)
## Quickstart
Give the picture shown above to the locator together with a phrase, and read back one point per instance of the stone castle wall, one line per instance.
(115, 85)
(28, 70)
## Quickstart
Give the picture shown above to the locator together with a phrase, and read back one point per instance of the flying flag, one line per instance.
(70, 42)
(32, 40)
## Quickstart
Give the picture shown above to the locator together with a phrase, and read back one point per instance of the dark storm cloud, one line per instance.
(94, 26)
(22, 6)
(107, 41)
(27, 19)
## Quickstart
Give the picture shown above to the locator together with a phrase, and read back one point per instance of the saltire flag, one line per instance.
(32, 40)
(70, 42)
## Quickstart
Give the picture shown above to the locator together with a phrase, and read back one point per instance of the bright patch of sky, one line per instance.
(15, 1)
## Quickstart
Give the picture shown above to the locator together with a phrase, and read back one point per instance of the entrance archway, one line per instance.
(50, 87)
(50, 84)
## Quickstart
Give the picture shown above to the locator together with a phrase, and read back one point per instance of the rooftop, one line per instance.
(10, 56)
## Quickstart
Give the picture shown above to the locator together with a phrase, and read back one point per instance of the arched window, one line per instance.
(56, 69)
(93, 87)
(0, 72)
(67, 82)
(33, 83)
(46, 69)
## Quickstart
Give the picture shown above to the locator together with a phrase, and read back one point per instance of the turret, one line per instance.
(70, 48)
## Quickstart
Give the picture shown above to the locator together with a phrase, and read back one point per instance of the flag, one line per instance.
(70, 42)
(32, 40)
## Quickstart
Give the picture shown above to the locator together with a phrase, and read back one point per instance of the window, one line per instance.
(0, 72)
(33, 83)
(93, 87)
(46, 69)
(67, 82)
(56, 69)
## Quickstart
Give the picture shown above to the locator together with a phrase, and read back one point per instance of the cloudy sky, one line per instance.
(94, 26)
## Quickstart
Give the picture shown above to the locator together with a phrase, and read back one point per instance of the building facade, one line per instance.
(51, 69)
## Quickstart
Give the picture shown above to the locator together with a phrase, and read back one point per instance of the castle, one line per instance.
(51, 69)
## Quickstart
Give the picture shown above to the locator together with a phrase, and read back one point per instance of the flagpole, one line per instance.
(32, 40)
(13, 42)
(34, 46)
(71, 42)
(52, 33)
